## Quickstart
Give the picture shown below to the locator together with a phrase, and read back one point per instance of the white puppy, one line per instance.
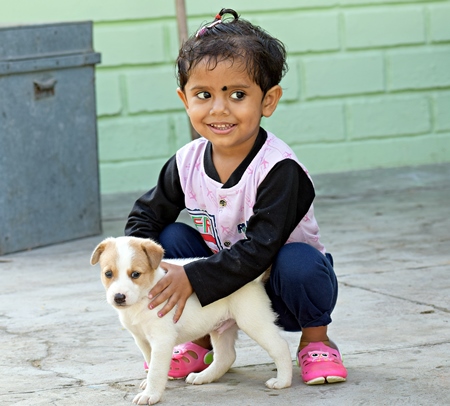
(130, 268)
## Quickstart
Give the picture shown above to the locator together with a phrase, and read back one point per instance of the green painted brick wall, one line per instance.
(368, 85)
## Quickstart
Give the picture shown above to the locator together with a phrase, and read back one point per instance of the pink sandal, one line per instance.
(320, 363)
(187, 358)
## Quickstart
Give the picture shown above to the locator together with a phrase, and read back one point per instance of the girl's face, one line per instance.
(225, 106)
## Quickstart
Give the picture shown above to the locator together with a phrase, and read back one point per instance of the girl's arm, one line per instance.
(282, 200)
(158, 207)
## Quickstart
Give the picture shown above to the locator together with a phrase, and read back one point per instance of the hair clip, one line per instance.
(202, 30)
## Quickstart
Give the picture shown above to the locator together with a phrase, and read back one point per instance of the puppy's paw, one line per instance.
(146, 399)
(143, 384)
(276, 383)
(196, 378)
(191, 378)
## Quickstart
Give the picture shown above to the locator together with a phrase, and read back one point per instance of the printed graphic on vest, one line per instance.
(242, 228)
(205, 224)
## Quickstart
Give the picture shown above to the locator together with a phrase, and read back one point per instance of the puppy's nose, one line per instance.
(120, 298)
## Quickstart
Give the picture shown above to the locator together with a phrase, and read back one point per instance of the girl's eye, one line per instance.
(203, 95)
(238, 95)
(135, 275)
(109, 274)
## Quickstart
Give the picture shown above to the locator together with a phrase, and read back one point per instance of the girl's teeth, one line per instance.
(221, 126)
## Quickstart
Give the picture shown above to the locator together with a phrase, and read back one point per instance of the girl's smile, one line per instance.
(221, 128)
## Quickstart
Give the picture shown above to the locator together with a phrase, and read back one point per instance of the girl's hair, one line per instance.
(236, 40)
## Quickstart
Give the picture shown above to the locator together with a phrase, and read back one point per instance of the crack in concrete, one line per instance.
(112, 384)
(409, 268)
(405, 347)
(350, 285)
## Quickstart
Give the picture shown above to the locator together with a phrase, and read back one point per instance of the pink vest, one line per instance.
(221, 215)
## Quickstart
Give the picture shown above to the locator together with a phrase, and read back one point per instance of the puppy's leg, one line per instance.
(258, 322)
(224, 356)
(145, 348)
(158, 370)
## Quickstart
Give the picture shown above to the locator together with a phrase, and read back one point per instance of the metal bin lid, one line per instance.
(36, 47)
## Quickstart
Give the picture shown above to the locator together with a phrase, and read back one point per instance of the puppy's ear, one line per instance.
(95, 257)
(154, 252)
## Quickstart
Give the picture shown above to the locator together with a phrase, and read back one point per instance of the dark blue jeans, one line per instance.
(302, 286)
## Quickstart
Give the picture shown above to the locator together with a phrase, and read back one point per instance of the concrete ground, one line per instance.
(389, 232)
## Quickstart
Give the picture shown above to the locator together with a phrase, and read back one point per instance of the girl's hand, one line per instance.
(173, 287)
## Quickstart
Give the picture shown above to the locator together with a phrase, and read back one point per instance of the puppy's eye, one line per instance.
(109, 274)
(135, 274)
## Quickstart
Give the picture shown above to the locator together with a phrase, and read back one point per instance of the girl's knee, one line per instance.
(180, 240)
(302, 258)
(303, 279)
(171, 234)
(299, 264)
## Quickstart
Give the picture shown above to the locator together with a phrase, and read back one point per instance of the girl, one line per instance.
(249, 197)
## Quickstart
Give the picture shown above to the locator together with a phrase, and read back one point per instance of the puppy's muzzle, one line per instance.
(120, 298)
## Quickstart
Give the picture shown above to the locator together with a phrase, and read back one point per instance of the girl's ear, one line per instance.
(271, 99)
(182, 96)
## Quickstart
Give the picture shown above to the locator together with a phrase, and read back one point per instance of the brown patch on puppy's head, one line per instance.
(106, 254)
(153, 251)
(146, 257)
(100, 249)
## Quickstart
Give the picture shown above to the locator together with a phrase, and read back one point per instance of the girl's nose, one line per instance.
(219, 107)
